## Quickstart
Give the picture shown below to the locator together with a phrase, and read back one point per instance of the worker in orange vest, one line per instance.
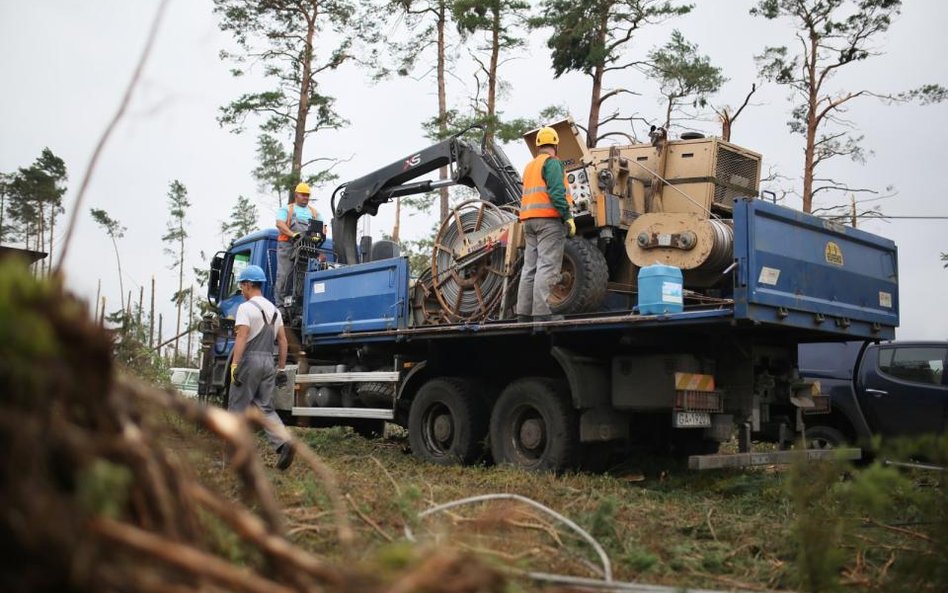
(547, 222)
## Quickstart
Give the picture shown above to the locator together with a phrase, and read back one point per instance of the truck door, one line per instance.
(903, 388)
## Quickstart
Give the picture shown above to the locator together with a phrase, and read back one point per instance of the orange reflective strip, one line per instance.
(694, 382)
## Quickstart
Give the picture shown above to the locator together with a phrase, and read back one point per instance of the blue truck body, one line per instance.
(791, 271)
(611, 377)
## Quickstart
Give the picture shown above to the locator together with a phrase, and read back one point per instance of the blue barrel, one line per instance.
(660, 290)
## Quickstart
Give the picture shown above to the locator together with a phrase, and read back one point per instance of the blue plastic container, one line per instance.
(660, 290)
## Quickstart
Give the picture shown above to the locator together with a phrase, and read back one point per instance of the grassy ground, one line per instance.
(659, 524)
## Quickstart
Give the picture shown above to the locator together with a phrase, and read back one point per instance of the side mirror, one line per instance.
(214, 279)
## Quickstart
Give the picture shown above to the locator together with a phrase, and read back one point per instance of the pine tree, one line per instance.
(115, 231)
(831, 34)
(178, 205)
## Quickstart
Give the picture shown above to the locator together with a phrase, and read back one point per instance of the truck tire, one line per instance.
(447, 423)
(824, 437)
(533, 426)
(583, 279)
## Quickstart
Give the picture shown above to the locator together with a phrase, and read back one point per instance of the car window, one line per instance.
(192, 380)
(914, 363)
(178, 377)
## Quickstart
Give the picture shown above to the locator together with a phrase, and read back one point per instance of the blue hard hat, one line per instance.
(252, 274)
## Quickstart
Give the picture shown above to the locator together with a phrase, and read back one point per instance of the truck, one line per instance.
(440, 353)
(869, 390)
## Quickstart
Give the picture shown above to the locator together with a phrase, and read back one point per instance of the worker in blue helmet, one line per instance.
(253, 377)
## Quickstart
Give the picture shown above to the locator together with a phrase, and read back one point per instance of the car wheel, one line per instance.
(823, 437)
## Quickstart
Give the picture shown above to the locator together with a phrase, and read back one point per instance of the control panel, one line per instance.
(579, 187)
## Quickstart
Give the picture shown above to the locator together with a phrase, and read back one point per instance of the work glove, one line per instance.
(570, 227)
(281, 379)
(233, 375)
(296, 237)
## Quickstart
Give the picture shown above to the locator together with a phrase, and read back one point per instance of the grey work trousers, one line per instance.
(284, 265)
(542, 260)
(256, 373)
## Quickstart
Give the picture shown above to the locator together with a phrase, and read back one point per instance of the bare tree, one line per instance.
(178, 205)
(115, 231)
(831, 34)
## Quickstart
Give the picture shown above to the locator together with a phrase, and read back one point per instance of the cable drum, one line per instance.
(722, 250)
(467, 273)
(685, 240)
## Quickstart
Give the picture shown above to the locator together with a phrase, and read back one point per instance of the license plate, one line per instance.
(691, 420)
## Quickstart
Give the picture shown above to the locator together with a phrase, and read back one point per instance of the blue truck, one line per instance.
(439, 352)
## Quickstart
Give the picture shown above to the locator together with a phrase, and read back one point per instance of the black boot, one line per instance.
(285, 451)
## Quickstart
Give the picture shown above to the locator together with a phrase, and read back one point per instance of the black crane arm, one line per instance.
(485, 168)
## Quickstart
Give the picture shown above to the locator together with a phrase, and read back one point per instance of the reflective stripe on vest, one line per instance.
(290, 220)
(536, 201)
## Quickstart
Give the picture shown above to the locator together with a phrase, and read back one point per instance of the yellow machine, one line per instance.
(667, 201)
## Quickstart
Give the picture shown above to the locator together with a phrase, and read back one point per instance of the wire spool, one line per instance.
(471, 289)
(427, 310)
(684, 240)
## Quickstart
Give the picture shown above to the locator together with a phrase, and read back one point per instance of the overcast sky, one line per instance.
(66, 64)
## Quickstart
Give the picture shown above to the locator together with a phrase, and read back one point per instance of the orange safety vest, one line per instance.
(536, 201)
(289, 219)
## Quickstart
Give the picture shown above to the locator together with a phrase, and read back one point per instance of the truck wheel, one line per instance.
(447, 423)
(824, 437)
(533, 426)
(583, 279)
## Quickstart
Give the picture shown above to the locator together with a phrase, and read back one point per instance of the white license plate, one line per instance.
(691, 420)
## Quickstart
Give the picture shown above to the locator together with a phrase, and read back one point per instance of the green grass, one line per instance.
(767, 528)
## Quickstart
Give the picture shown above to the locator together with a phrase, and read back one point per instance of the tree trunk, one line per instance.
(118, 264)
(725, 125)
(302, 110)
(595, 100)
(812, 123)
(52, 227)
(160, 323)
(177, 326)
(592, 128)
(492, 75)
(442, 105)
(3, 203)
(398, 219)
(151, 316)
(98, 293)
(190, 317)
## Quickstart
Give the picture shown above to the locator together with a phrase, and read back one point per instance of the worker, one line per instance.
(547, 222)
(253, 377)
(292, 220)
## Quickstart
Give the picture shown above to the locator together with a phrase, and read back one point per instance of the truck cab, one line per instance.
(258, 248)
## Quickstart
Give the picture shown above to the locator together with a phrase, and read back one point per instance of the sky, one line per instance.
(66, 64)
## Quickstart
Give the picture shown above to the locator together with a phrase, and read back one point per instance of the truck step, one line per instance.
(769, 458)
(354, 377)
(374, 413)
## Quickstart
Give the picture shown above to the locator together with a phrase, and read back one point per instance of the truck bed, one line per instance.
(793, 276)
